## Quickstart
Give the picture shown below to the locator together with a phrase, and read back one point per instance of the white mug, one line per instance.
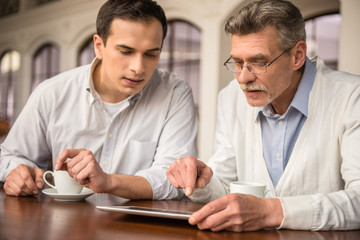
(64, 184)
(253, 188)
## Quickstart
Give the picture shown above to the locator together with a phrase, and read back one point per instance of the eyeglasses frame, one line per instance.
(247, 65)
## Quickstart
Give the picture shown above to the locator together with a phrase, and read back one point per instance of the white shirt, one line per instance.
(280, 132)
(148, 132)
(320, 187)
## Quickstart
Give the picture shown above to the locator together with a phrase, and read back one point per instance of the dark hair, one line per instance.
(136, 10)
(258, 15)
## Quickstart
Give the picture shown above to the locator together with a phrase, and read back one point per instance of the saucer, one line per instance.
(86, 192)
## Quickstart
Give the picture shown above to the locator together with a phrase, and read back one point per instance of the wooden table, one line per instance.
(41, 217)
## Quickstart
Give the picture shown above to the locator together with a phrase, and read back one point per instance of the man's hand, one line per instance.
(84, 168)
(188, 173)
(24, 181)
(238, 212)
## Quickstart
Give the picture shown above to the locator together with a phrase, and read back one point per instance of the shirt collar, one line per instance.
(301, 98)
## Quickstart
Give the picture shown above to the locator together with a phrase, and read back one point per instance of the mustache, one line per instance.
(253, 87)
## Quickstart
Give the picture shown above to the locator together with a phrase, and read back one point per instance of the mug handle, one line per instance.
(44, 177)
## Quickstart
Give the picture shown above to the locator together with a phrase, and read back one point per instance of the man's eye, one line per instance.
(125, 52)
(150, 55)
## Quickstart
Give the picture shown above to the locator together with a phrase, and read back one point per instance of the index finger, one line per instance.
(67, 153)
(191, 175)
(207, 210)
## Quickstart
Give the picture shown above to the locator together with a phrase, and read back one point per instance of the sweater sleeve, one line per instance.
(338, 209)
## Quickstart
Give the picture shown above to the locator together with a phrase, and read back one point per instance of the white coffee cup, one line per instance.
(64, 184)
(253, 188)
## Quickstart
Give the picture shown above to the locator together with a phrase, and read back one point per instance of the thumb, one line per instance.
(39, 178)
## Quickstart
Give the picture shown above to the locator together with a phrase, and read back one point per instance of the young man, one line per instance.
(288, 122)
(113, 119)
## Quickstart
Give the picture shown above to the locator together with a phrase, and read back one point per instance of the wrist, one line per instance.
(273, 214)
(109, 183)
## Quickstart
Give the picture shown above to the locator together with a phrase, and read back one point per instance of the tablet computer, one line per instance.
(146, 211)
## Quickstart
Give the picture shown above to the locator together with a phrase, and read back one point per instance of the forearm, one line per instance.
(130, 187)
(333, 211)
(8, 163)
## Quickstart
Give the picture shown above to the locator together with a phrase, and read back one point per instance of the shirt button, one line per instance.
(278, 156)
(281, 123)
(110, 135)
(106, 164)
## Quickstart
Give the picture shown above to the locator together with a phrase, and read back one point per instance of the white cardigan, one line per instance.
(320, 187)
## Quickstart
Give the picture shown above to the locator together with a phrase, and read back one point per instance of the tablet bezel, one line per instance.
(148, 211)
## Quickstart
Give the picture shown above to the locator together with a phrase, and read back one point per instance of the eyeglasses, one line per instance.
(252, 67)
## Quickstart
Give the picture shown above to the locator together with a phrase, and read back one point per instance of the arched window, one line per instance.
(10, 64)
(45, 64)
(9, 7)
(181, 53)
(86, 53)
(322, 37)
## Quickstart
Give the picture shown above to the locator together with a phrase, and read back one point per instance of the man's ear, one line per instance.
(299, 54)
(98, 46)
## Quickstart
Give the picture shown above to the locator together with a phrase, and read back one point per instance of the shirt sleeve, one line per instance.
(177, 140)
(25, 143)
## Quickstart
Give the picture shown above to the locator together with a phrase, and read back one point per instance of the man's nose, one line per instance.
(245, 76)
(137, 64)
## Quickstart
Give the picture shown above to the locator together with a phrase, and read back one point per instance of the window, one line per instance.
(45, 64)
(181, 53)
(86, 54)
(9, 7)
(10, 64)
(39, 2)
(323, 38)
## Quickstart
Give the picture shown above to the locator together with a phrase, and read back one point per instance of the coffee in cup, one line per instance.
(253, 188)
(64, 184)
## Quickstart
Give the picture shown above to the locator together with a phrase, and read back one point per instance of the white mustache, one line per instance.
(253, 87)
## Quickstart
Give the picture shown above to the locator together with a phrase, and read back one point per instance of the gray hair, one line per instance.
(256, 16)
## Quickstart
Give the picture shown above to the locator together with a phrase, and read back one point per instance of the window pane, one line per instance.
(45, 64)
(8, 7)
(10, 63)
(181, 53)
(86, 54)
(323, 38)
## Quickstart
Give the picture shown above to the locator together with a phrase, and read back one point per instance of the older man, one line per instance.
(286, 121)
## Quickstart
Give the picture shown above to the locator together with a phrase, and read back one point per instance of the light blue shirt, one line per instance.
(280, 132)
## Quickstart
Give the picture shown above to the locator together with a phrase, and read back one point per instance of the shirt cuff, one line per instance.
(161, 186)
(298, 213)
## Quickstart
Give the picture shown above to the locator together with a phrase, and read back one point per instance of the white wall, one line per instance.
(349, 51)
(68, 23)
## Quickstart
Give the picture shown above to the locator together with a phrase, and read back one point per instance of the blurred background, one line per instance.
(41, 38)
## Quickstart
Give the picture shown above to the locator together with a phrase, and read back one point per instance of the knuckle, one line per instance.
(91, 165)
(209, 222)
(232, 197)
(179, 161)
(26, 177)
(211, 208)
(64, 153)
(87, 152)
(22, 167)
